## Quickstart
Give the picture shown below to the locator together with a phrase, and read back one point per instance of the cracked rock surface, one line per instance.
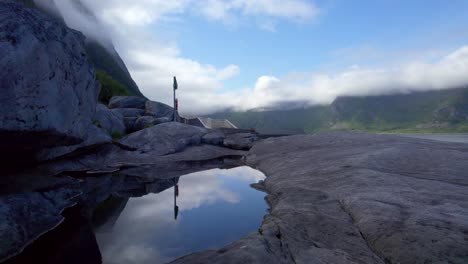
(356, 198)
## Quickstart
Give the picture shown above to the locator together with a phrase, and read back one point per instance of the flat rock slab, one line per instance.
(356, 198)
(165, 138)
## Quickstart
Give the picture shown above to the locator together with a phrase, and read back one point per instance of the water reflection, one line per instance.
(203, 210)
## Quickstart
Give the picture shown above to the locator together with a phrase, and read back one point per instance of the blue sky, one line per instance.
(407, 27)
(245, 54)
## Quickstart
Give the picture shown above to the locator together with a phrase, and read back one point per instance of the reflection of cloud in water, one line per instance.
(148, 220)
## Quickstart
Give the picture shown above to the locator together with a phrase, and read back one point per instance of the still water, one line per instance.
(212, 209)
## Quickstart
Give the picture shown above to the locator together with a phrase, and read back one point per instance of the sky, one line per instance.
(256, 54)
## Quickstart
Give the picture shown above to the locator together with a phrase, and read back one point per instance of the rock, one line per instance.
(49, 91)
(243, 141)
(127, 102)
(148, 121)
(96, 136)
(129, 112)
(356, 198)
(109, 120)
(164, 138)
(213, 138)
(25, 217)
(161, 120)
(144, 122)
(157, 109)
(129, 123)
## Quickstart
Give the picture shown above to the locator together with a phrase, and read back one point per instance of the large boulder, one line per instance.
(127, 102)
(149, 121)
(157, 109)
(129, 112)
(164, 139)
(96, 137)
(241, 141)
(48, 89)
(109, 120)
(130, 124)
(213, 138)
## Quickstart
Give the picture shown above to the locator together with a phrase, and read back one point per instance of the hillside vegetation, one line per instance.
(109, 87)
(433, 111)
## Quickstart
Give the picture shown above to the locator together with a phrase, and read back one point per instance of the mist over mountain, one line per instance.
(431, 111)
(99, 46)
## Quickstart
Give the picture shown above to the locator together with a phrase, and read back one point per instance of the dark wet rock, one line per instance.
(129, 123)
(129, 112)
(213, 138)
(157, 109)
(243, 141)
(49, 91)
(72, 242)
(105, 214)
(96, 137)
(95, 160)
(165, 138)
(110, 121)
(25, 217)
(356, 198)
(127, 102)
(193, 159)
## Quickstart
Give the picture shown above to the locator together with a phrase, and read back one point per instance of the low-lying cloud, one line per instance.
(152, 61)
(320, 88)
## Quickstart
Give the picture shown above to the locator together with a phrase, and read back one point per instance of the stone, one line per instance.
(356, 198)
(164, 139)
(149, 121)
(129, 123)
(157, 109)
(144, 122)
(213, 138)
(129, 112)
(25, 217)
(96, 137)
(243, 141)
(110, 121)
(127, 102)
(49, 91)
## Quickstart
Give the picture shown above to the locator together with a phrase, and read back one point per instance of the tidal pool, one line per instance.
(212, 209)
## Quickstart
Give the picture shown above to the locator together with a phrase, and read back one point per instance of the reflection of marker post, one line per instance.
(175, 86)
(176, 193)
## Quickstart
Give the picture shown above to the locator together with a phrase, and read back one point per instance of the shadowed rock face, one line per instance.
(48, 88)
(356, 198)
(110, 121)
(127, 102)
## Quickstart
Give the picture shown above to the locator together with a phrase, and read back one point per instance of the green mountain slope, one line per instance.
(111, 63)
(433, 111)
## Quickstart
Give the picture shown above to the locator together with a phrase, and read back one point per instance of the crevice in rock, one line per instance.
(353, 221)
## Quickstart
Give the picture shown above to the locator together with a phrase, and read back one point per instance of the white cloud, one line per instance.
(319, 88)
(153, 61)
(229, 11)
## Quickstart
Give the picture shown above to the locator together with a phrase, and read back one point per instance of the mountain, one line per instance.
(431, 111)
(103, 57)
